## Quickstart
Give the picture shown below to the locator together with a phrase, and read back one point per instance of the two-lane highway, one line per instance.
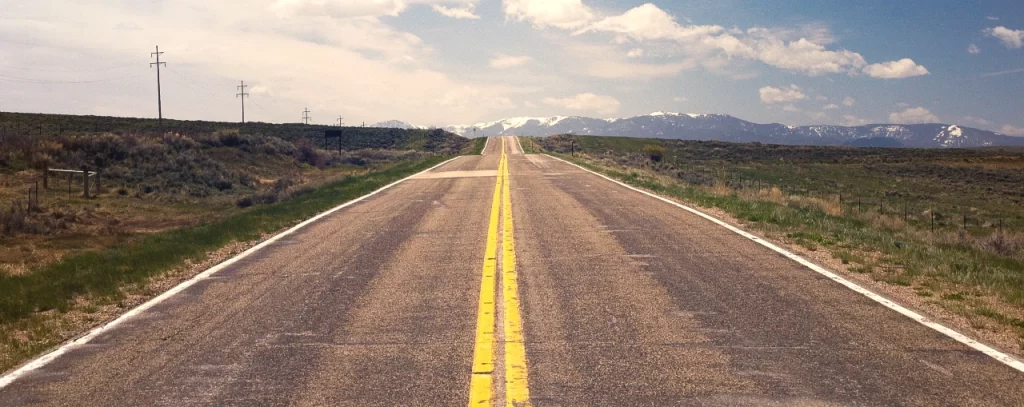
(522, 280)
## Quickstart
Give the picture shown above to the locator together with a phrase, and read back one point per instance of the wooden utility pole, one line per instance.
(242, 95)
(305, 116)
(159, 102)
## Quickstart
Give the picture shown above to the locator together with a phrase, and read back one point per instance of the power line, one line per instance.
(159, 102)
(51, 81)
(340, 123)
(243, 95)
(183, 82)
(68, 70)
(305, 116)
(201, 84)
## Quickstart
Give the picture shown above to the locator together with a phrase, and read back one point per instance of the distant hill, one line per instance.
(723, 127)
(355, 138)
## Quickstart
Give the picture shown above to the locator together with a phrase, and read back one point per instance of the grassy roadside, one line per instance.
(34, 306)
(478, 146)
(983, 286)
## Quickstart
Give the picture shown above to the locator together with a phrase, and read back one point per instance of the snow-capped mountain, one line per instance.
(396, 124)
(727, 128)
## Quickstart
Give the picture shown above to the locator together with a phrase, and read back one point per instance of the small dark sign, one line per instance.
(332, 133)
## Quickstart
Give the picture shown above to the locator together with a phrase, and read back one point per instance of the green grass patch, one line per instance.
(478, 146)
(998, 317)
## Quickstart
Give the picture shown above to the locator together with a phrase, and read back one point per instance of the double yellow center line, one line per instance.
(481, 387)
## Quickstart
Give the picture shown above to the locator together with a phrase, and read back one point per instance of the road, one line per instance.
(519, 279)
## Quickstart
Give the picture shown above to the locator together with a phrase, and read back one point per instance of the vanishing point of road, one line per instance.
(515, 279)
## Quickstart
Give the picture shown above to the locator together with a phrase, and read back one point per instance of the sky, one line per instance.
(445, 62)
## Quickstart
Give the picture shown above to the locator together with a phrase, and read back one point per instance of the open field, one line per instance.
(167, 202)
(946, 224)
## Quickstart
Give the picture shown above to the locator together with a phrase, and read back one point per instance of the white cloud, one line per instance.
(792, 109)
(974, 121)
(821, 98)
(1001, 73)
(529, 104)
(606, 61)
(648, 22)
(852, 121)
(564, 14)
(502, 61)
(914, 115)
(340, 9)
(260, 90)
(635, 53)
(904, 68)
(821, 117)
(832, 106)
(1012, 131)
(807, 57)
(849, 101)
(587, 102)
(368, 8)
(457, 12)
(772, 95)
(1011, 38)
(679, 99)
(991, 18)
(973, 49)
(793, 50)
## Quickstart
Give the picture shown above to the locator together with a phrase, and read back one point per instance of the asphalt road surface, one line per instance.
(521, 280)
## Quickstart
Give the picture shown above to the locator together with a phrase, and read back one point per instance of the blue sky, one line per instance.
(441, 62)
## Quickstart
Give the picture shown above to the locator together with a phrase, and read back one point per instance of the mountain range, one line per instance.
(728, 128)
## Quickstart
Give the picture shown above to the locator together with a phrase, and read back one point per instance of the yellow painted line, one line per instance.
(481, 380)
(517, 392)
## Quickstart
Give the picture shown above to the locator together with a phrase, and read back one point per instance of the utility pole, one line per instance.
(243, 95)
(305, 116)
(159, 102)
(340, 121)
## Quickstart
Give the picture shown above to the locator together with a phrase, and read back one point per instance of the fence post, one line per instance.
(37, 194)
(85, 182)
(99, 186)
(932, 213)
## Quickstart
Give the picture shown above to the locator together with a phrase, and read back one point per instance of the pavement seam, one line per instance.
(1004, 358)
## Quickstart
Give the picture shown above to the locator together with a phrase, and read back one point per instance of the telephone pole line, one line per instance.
(159, 101)
(243, 95)
(305, 116)
(339, 121)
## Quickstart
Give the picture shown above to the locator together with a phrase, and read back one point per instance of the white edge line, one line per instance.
(486, 143)
(521, 151)
(959, 337)
(68, 346)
